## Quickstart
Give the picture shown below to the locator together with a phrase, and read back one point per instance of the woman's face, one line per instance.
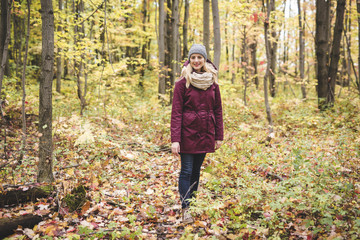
(197, 61)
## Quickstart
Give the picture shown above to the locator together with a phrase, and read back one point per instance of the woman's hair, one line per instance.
(187, 70)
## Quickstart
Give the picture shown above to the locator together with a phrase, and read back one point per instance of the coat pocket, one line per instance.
(189, 119)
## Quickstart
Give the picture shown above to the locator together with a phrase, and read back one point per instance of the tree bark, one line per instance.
(273, 49)
(23, 146)
(8, 225)
(185, 30)
(80, 64)
(175, 37)
(301, 52)
(322, 50)
(358, 14)
(4, 38)
(226, 41)
(206, 26)
(18, 32)
(267, 73)
(335, 51)
(161, 45)
(45, 104)
(15, 197)
(253, 48)
(244, 63)
(59, 58)
(217, 33)
(348, 40)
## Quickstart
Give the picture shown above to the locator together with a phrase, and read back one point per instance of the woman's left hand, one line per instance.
(218, 144)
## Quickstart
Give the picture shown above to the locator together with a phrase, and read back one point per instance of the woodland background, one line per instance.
(85, 98)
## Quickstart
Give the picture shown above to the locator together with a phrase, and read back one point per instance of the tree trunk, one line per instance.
(358, 14)
(9, 225)
(206, 26)
(58, 58)
(18, 32)
(175, 37)
(161, 45)
(217, 32)
(4, 38)
(267, 73)
(273, 49)
(301, 52)
(233, 65)
(322, 50)
(253, 48)
(23, 145)
(245, 63)
(144, 44)
(79, 64)
(45, 104)
(168, 46)
(348, 40)
(226, 41)
(18, 196)
(185, 30)
(335, 51)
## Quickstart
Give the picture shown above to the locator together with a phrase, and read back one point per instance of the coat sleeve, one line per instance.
(177, 111)
(219, 125)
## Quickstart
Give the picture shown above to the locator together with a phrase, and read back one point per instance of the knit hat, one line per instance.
(198, 48)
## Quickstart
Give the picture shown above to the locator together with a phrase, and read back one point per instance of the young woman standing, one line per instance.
(196, 121)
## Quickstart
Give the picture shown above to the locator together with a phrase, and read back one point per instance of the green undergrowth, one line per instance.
(304, 183)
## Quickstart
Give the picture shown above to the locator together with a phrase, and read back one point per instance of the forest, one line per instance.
(86, 88)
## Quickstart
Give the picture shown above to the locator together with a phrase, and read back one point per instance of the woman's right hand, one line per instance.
(175, 148)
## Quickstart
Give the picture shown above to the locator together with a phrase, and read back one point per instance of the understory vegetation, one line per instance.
(303, 184)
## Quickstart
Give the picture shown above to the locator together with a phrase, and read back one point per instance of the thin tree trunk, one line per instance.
(45, 106)
(335, 51)
(23, 146)
(358, 14)
(58, 58)
(322, 49)
(168, 46)
(233, 62)
(79, 64)
(175, 37)
(217, 32)
(185, 30)
(253, 48)
(144, 44)
(4, 38)
(348, 40)
(206, 26)
(161, 45)
(273, 50)
(226, 40)
(301, 52)
(245, 63)
(18, 28)
(267, 73)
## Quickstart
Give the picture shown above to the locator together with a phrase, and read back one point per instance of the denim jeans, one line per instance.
(189, 176)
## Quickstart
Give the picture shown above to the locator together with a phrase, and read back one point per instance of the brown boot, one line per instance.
(186, 216)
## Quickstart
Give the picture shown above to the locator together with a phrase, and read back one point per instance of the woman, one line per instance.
(196, 121)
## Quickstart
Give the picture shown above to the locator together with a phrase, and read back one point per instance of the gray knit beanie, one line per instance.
(198, 48)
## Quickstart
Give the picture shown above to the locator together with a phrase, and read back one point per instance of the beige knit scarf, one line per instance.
(201, 80)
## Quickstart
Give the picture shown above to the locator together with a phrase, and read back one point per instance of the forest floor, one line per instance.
(303, 184)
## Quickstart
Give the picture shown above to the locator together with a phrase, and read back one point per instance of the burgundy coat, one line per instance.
(196, 118)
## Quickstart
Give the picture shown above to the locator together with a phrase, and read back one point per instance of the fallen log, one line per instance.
(9, 225)
(20, 196)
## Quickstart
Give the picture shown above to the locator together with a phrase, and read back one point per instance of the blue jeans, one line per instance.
(189, 176)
